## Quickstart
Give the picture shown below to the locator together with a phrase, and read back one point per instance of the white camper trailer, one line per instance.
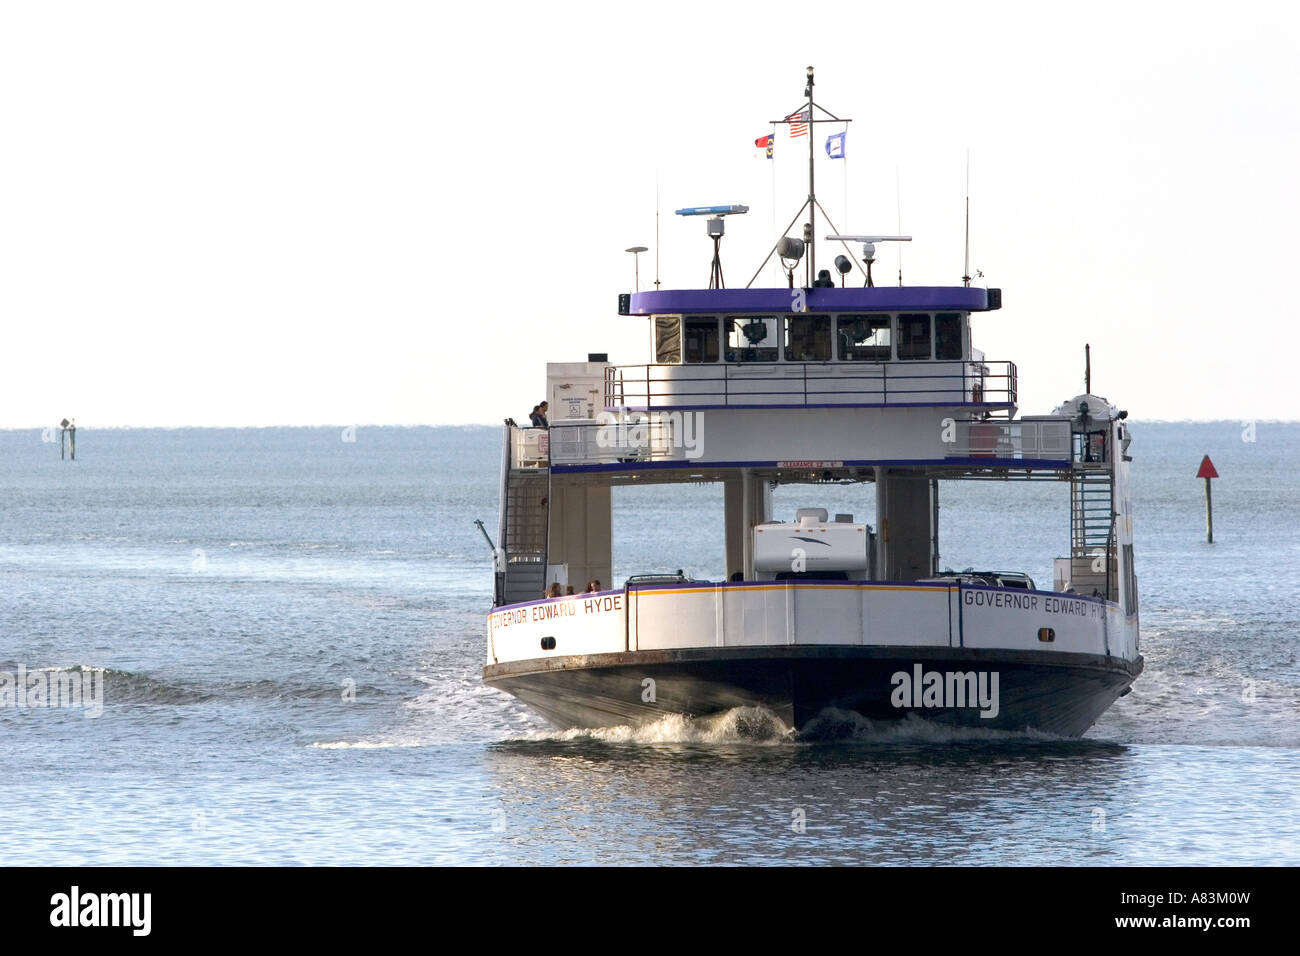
(814, 547)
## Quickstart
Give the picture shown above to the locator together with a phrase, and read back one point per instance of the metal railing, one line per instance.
(529, 447)
(629, 439)
(1027, 438)
(795, 384)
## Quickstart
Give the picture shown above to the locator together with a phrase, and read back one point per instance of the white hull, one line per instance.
(780, 613)
(1014, 659)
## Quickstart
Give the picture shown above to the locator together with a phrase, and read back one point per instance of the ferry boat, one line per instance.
(818, 613)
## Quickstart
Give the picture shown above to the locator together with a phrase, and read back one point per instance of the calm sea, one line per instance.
(292, 629)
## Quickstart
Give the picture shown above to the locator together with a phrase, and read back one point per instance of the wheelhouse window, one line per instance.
(808, 338)
(947, 335)
(914, 335)
(752, 338)
(700, 340)
(668, 339)
(863, 338)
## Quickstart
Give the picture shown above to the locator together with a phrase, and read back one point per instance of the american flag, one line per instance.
(798, 123)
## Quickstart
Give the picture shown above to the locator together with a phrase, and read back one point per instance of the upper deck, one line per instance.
(813, 348)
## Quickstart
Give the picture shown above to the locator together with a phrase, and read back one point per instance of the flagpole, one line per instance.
(812, 192)
(772, 162)
(808, 122)
(656, 228)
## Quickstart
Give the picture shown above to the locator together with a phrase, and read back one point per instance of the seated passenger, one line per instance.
(593, 586)
(554, 591)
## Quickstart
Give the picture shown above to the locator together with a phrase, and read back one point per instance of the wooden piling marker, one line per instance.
(69, 436)
(1207, 472)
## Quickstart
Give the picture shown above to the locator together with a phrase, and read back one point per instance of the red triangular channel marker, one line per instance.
(1207, 469)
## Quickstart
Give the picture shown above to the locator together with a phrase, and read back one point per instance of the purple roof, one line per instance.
(878, 299)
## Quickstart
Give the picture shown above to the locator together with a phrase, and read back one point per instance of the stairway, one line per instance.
(527, 516)
(1092, 522)
(1092, 508)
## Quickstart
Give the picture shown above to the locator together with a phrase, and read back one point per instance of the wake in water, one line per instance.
(846, 726)
(757, 725)
(747, 725)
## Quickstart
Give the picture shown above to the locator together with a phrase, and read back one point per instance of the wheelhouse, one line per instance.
(830, 337)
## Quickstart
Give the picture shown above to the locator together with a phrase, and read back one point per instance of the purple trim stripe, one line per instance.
(698, 465)
(877, 299)
(742, 407)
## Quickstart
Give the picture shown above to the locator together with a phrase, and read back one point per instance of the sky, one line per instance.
(340, 213)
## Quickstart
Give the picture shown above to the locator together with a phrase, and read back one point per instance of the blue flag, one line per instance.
(835, 146)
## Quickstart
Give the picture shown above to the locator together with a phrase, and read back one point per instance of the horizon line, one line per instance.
(119, 427)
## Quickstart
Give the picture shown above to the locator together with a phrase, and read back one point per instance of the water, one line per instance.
(293, 630)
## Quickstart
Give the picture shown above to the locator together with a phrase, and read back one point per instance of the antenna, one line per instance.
(656, 230)
(898, 199)
(1087, 369)
(965, 276)
(636, 263)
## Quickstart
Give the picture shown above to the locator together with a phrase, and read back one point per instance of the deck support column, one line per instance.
(756, 508)
(581, 532)
(734, 524)
(905, 534)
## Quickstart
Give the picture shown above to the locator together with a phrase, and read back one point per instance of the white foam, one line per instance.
(756, 725)
(747, 725)
(366, 744)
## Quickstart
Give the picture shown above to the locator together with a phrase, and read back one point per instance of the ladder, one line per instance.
(524, 528)
(1093, 568)
(1092, 512)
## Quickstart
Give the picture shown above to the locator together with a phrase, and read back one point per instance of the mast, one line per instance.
(809, 254)
(965, 276)
(812, 193)
(656, 230)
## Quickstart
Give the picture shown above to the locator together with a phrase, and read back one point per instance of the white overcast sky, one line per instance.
(349, 213)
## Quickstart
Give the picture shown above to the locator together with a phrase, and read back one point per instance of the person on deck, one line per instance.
(538, 416)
